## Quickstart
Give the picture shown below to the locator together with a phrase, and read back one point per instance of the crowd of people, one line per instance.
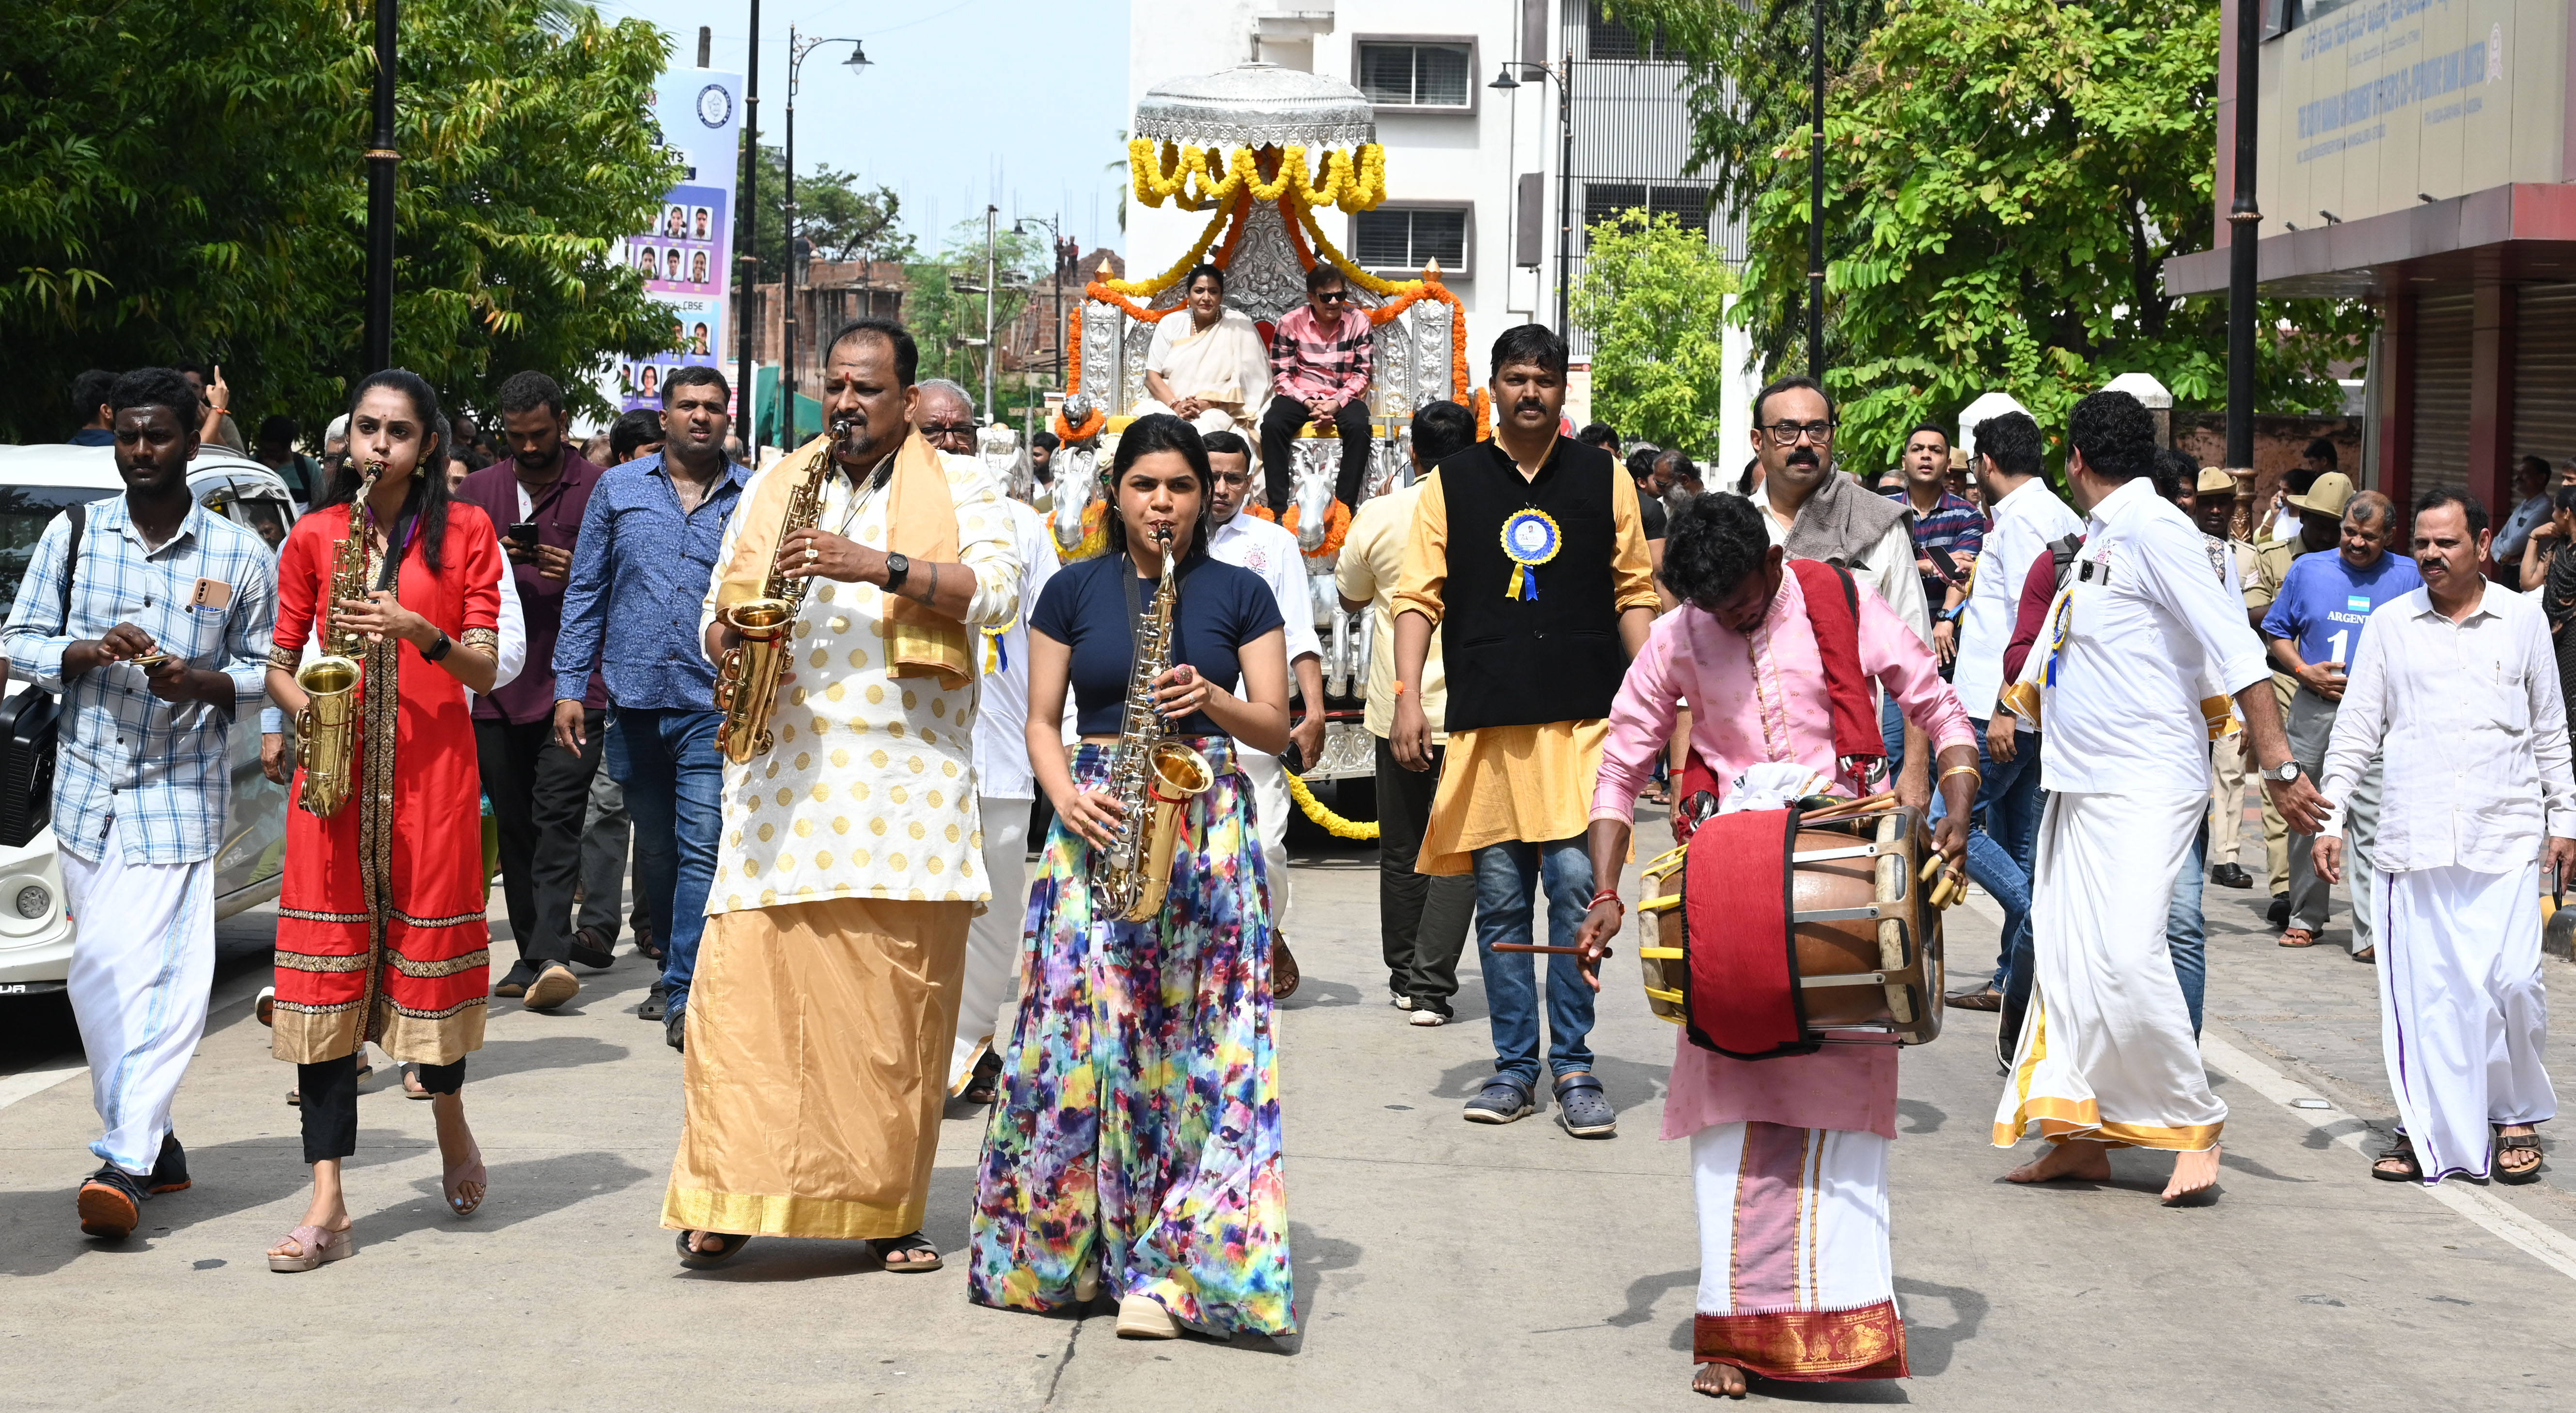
(837, 889)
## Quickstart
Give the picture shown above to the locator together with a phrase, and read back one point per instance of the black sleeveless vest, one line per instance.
(1518, 661)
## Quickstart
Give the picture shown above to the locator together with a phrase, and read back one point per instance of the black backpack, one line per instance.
(31, 730)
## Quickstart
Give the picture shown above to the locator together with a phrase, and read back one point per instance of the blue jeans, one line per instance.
(1505, 874)
(1891, 732)
(667, 763)
(2185, 937)
(2001, 851)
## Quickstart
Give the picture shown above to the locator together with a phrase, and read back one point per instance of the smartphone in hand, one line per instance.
(523, 534)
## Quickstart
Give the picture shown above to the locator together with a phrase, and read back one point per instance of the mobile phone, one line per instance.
(1942, 561)
(523, 534)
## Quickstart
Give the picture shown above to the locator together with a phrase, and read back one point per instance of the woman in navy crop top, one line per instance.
(1170, 1015)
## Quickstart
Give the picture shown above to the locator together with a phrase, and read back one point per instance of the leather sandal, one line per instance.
(2298, 937)
(2400, 1151)
(1284, 975)
(2515, 1143)
(697, 1260)
(591, 950)
(906, 1246)
(454, 1180)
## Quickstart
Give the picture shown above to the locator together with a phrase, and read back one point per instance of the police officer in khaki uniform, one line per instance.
(2320, 528)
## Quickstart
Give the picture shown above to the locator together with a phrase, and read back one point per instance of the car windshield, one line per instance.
(25, 511)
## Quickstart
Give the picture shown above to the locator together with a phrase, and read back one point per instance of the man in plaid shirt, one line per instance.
(166, 640)
(1942, 520)
(1319, 373)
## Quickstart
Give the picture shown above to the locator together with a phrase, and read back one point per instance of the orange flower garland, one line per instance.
(1091, 426)
(1337, 528)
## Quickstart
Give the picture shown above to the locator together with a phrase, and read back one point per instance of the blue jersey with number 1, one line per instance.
(2324, 602)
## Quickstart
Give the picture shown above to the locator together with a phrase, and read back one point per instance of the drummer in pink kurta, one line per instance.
(1803, 1138)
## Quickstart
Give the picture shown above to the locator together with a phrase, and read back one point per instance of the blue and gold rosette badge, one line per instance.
(997, 651)
(1530, 539)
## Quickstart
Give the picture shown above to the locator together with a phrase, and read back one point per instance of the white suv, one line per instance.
(36, 484)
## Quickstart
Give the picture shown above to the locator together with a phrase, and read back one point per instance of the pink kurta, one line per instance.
(1753, 700)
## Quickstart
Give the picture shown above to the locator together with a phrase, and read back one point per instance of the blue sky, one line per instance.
(1015, 102)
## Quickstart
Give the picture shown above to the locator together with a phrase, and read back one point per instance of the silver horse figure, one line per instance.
(1077, 483)
(999, 449)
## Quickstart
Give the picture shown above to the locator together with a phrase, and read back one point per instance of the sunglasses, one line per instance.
(1339, 296)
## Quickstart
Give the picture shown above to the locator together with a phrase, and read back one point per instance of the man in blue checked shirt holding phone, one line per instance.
(157, 635)
(2313, 629)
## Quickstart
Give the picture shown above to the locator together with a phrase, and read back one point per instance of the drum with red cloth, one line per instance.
(1766, 936)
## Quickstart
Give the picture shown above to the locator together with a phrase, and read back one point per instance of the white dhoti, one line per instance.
(1794, 1277)
(2462, 1012)
(1210, 419)
(140, 973)
(1271, 807)
(2108, 1051)
(990, 990)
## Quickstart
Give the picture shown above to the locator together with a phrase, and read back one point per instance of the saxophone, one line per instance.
(1153, 777)
(326, 731)
(747, 678)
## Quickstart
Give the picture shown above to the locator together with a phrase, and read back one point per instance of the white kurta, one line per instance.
(1249, 542)
(869, 791)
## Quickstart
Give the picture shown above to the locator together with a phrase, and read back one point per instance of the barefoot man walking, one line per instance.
(2107, 1058)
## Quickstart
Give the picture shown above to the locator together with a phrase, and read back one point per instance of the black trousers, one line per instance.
(540, 796)
(608, 863)
(1422, 921)
(1279, 427)
(328, 1092)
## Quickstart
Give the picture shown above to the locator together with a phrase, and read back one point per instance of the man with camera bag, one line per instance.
(143, 773)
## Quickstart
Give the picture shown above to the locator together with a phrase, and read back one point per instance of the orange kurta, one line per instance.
(380, 931)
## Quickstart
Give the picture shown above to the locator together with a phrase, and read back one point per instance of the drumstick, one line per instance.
(1849, 808)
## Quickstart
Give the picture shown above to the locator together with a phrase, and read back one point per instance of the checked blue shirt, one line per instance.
(639, 571)
(161, 769)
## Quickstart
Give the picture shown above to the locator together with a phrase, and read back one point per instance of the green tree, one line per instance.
(187, 180)
(2004, 182)
(1653, 295)
(943, 317)
(843, 220)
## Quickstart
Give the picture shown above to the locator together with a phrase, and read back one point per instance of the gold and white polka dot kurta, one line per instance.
(869, 788)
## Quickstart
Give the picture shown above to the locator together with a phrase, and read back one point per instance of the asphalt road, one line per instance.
(1437, 1263)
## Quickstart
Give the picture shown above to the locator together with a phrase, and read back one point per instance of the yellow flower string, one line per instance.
(1196, 179)
(1334, 824)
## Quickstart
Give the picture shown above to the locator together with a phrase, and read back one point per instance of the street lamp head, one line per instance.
(858, 55)
(1504, 79)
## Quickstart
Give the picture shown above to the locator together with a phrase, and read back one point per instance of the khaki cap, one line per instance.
(2215, 478)
(2329, 494)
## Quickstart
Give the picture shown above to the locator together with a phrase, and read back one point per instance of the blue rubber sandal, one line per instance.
(1584, 1109)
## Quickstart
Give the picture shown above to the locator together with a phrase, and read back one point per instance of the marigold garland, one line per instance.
(1337, 528)
(1188, 176)
(1333, 824)
(1091, 425)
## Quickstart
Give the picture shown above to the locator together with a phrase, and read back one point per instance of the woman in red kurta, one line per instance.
(380, 932)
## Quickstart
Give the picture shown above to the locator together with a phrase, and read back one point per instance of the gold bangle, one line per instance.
(1964, 770)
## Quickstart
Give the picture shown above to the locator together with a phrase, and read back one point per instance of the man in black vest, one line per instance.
(1528, 557)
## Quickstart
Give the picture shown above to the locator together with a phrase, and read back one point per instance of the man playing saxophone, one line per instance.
(1130, 1006)
(825, 996)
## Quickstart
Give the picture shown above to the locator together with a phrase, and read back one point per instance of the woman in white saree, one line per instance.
(1207, 364)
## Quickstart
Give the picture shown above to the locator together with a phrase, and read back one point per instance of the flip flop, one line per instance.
(704, 1260)
(320, 1247)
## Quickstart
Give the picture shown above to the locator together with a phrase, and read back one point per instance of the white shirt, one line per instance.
(2148, 629)
(1001, 738)
(2025, 521)
(1890, 567)
(1250, 542)
(2474, 727)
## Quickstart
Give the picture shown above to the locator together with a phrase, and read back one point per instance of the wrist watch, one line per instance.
(2285, 772)
(438, 650)
(898, 568)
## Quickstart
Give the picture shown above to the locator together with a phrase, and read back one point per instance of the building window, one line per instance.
(1606, 38)
(1406, 239)
(1413, 75)
(1685, 204)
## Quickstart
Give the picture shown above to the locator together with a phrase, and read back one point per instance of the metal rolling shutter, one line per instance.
(2440, 454)
(2544, 372)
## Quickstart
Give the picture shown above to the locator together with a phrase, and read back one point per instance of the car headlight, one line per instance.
(34, 901)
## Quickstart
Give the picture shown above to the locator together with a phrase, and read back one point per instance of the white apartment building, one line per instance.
(1477, 177)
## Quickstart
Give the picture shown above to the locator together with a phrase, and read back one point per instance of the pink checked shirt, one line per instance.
(1752, 700)
(1309, 362)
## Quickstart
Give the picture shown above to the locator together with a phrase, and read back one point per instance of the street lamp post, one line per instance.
(1816, 213)
(746, 257)
(381, 158)
(2244, 218)
(1564, 172)
(990, 211)
(1055, 240)
(797, 49)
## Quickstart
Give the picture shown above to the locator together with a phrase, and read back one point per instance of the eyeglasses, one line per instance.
(1788, 433)
(1338, 296)
(934, 431)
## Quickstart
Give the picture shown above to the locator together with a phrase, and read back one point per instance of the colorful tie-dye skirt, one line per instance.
(1135, 1141)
